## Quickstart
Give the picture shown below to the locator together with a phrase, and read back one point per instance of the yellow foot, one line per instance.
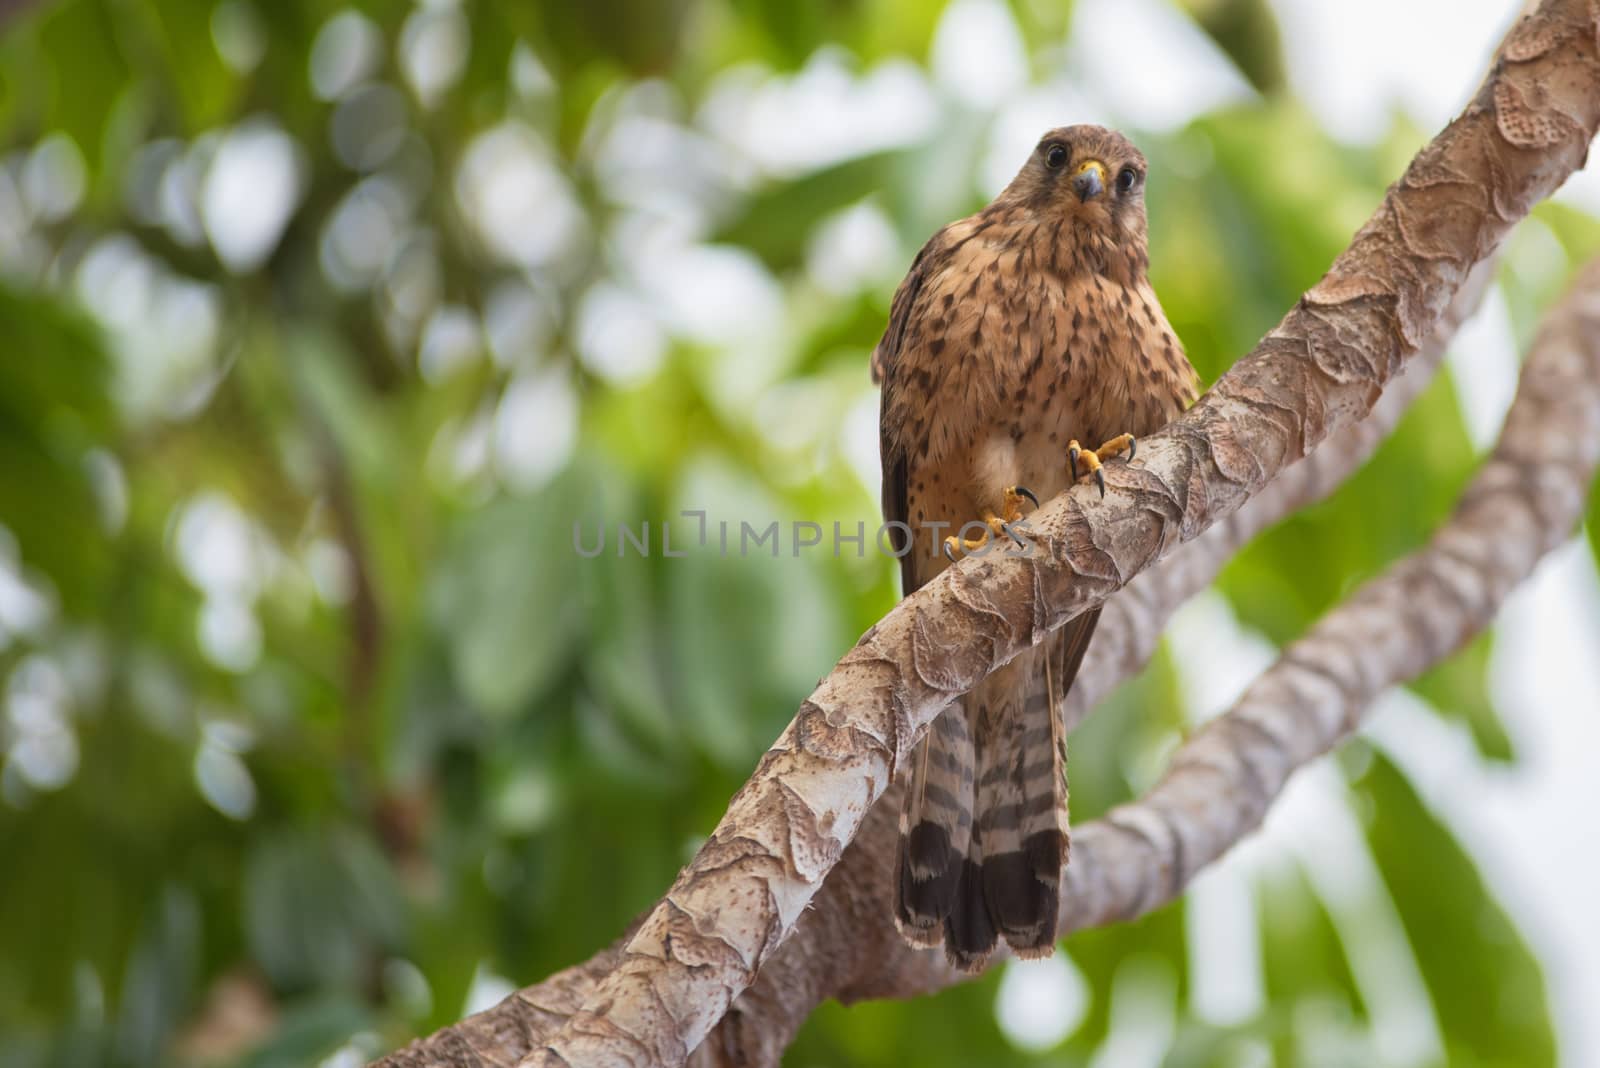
(1087, 462)
(997, 523)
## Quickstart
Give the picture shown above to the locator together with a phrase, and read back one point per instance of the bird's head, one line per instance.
(1090, 176)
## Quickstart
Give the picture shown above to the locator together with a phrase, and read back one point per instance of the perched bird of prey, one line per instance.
(1018, 333)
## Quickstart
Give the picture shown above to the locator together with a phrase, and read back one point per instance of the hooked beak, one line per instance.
(1090, 179)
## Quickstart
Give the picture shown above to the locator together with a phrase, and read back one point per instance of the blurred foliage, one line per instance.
(327, 331)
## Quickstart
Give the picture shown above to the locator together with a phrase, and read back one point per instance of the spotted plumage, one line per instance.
(1017, 331)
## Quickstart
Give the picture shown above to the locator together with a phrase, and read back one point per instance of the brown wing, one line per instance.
(1072, 643)
(887, 351)
(891, 447)
(936, 817)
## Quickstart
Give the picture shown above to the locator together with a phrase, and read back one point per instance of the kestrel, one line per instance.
(1019, 332)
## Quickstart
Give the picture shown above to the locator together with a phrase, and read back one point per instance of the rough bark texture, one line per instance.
(841, 947)
(1132, 622)
(1317, 373)
(1524, 502)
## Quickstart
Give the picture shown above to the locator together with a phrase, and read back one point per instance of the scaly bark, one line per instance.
(1319, 371)
(841, 947)
(1524, 502)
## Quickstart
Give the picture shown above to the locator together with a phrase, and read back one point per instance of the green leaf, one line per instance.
(1247, 32)
(309, 1031)
(203, 84)
(54, 409)
(791, 31)
(738, 676)
(321, 906)
(1306, 972)
(160, 978)
(504, 597)
(1459, 689)
(1112, 756)
(89, 71)
(623, 662)
(777, 222)
(1388, 509)
(1487, 985)
(641, 36)
(1591, 525)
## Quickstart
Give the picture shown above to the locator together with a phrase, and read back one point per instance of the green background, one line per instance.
(426, 742)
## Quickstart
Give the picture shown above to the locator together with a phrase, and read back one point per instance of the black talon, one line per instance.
(949, 553)
(1133, 447)
(1100, 480)
(1072, 454)
(1011, 531)
(1023, 491)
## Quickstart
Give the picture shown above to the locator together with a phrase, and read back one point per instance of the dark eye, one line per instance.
(1055, 156)
(1127, 178)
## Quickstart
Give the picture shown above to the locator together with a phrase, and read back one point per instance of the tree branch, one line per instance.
(1523, 503)
(1130, 628)
(841, 947)
(1318, 372)
(859, 958)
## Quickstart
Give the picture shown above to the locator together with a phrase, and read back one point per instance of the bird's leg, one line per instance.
(1087, 462)
(1011, 499)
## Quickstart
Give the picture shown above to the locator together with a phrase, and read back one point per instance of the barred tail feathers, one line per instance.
(935, 829)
